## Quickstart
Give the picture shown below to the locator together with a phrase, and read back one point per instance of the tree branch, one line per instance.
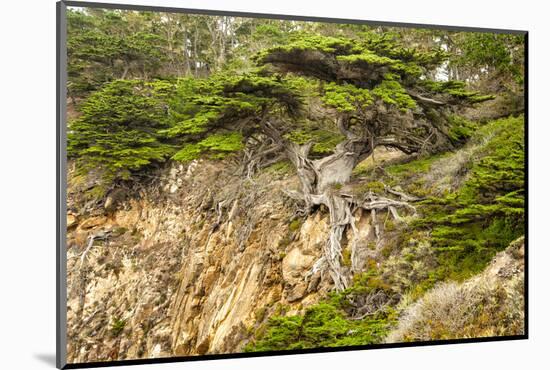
(342, 122)
(425, 99)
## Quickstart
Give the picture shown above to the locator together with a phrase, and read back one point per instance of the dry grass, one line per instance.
(489, 304)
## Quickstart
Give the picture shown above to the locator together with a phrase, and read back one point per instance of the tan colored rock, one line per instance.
(295, 263)
(93, 222)
(297, 292)
(109, 202)
(71, 220)
(313, 233)
(182, 287)
(210, 276)
(203, 347)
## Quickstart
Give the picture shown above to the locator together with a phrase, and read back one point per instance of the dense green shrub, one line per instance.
(216, 145)
(118, 131)
(330, 323)
(104, 46)
(487, 212)
(130, 124)
(322, 325)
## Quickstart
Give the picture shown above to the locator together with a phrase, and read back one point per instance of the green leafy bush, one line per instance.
(118, 131)
(330, 322)
(322, 325)
(482, 217)
(217, 146)
(130, 124)
(117, 326)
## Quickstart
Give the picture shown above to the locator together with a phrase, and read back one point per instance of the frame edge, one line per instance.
(61, 198)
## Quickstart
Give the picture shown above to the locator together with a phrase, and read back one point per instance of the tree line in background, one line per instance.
(104, 45)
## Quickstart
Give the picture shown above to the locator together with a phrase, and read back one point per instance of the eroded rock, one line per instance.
(174, 283)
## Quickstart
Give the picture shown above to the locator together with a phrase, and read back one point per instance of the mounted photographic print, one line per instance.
(235, 185)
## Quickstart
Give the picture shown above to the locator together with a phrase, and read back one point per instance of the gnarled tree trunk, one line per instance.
(318, 179)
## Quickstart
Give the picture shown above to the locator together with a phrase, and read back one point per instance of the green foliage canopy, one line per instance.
(128, 125)
(119, 129)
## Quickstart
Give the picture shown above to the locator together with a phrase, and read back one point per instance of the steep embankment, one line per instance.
(185, 264)
(469, 206)
(489, 304)
(197, 259)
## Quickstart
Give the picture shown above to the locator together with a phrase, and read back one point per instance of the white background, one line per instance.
(27, 183)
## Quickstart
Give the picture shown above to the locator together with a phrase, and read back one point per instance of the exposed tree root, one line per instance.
(341, 211)
(260, 153)
(318, 180)
(83, 270)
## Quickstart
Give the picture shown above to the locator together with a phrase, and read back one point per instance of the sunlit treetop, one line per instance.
(363, 62)
(377, 86)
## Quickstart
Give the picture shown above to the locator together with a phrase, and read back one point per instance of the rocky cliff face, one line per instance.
(188, 265)
(194, 259)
